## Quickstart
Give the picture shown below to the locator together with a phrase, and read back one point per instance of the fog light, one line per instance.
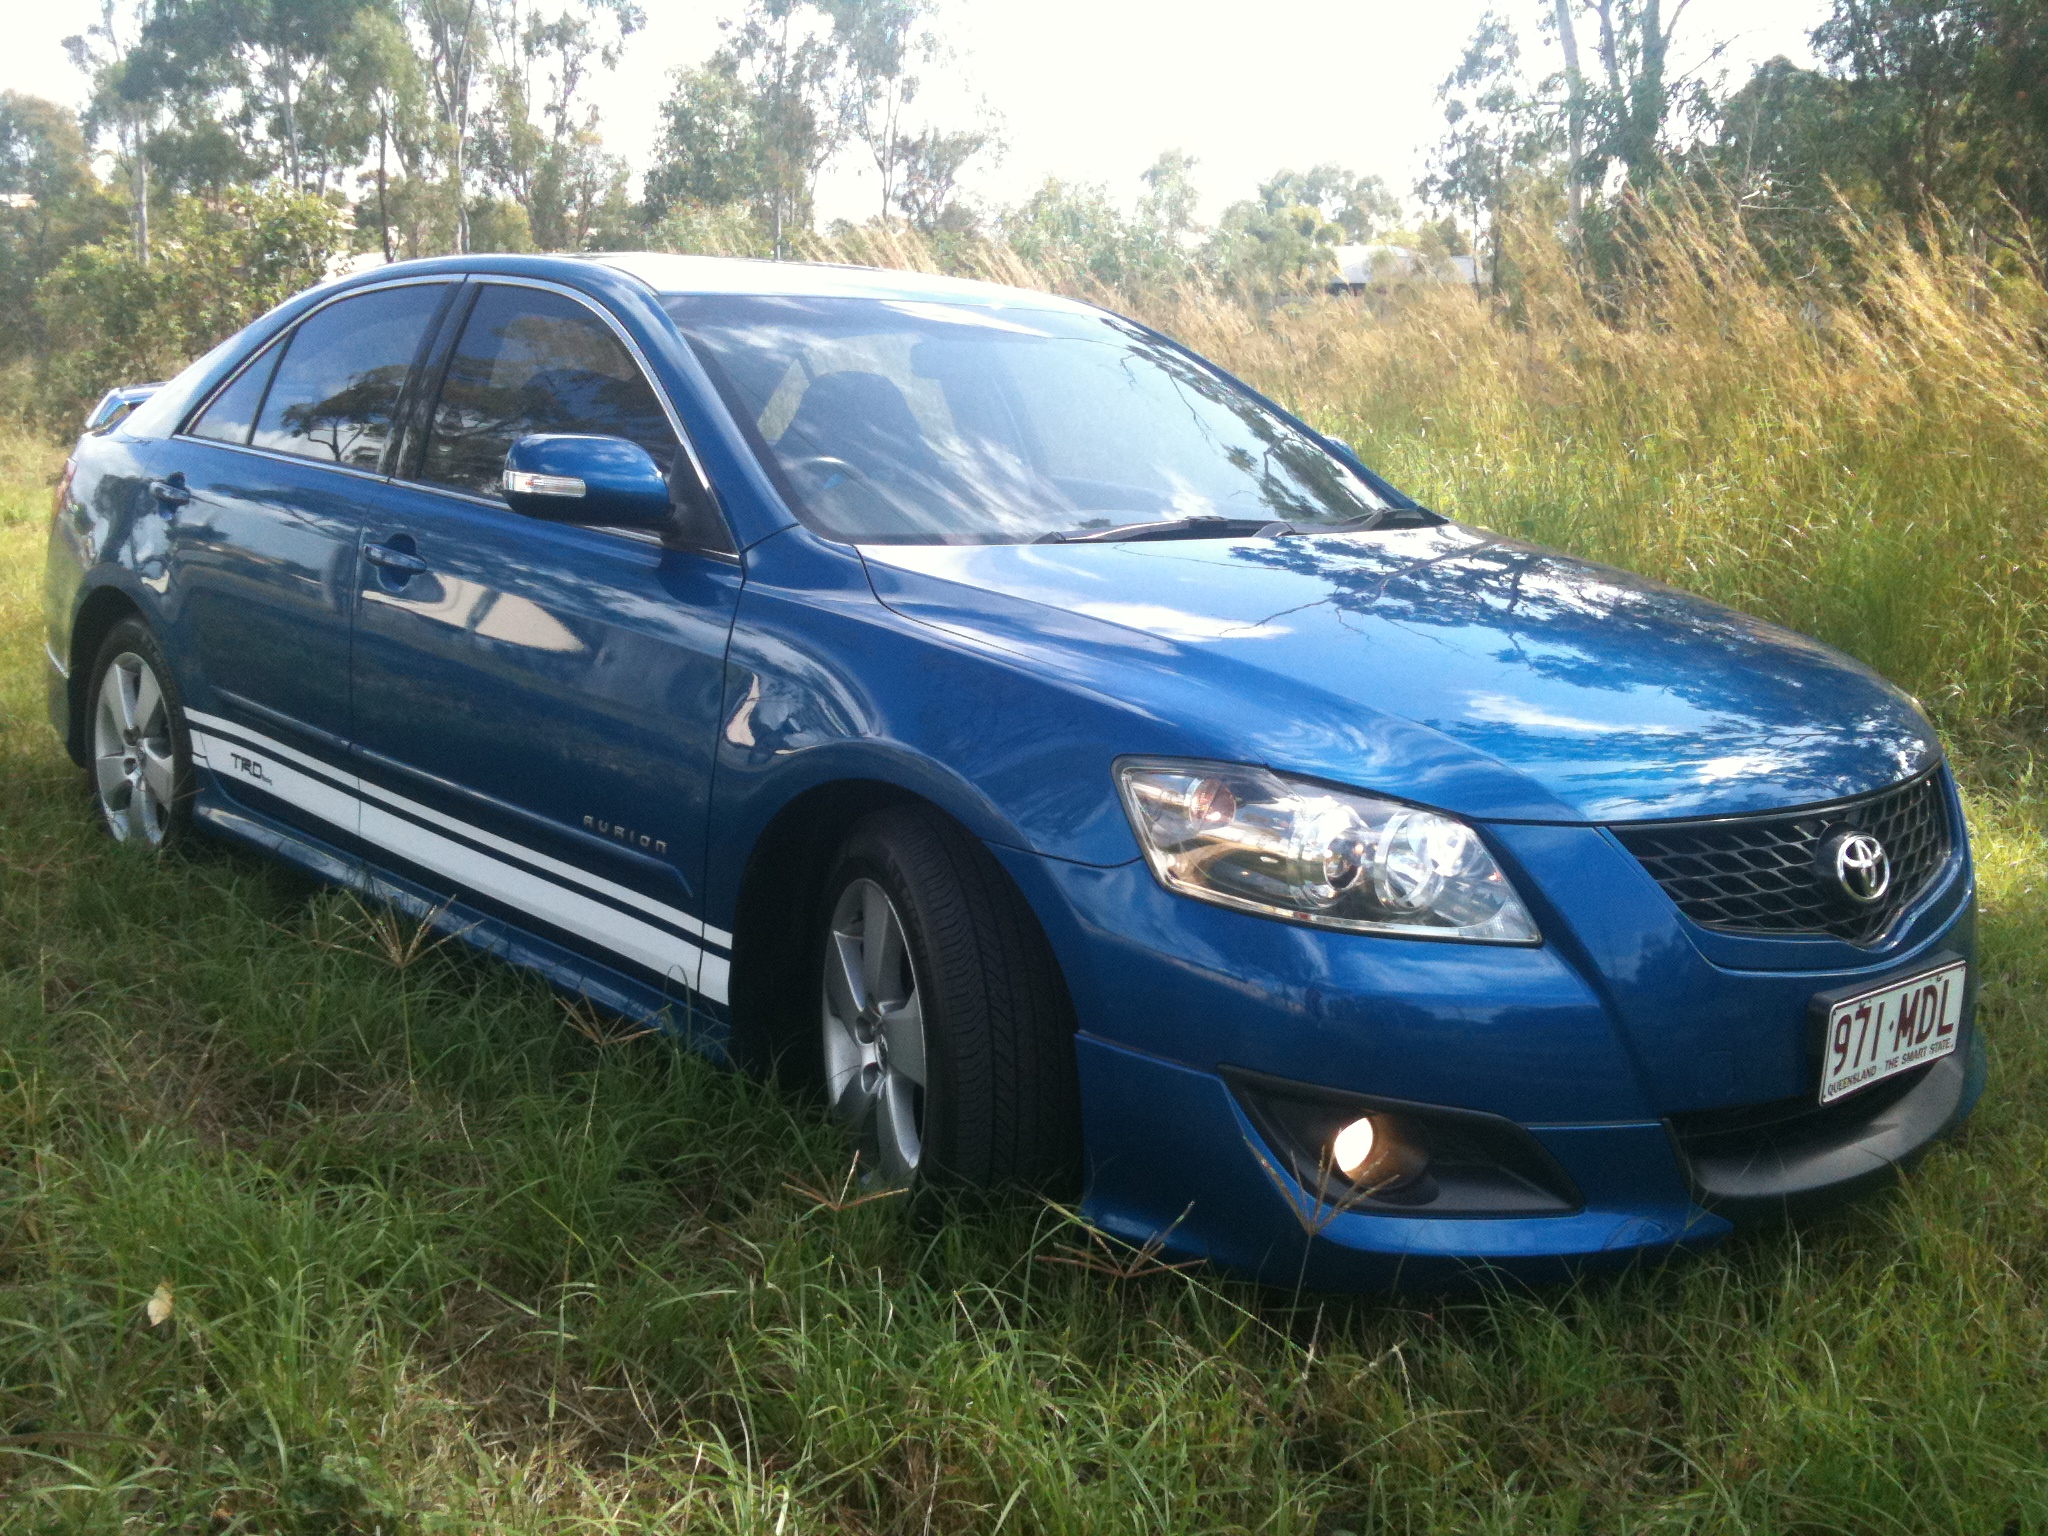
(1373, 1154)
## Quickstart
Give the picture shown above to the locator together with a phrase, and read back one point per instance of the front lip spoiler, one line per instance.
(1793, 1175)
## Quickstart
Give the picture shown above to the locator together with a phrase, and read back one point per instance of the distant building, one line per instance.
(17, 199)
(1378, 269)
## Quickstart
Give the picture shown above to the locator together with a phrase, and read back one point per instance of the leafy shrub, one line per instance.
(214, 266)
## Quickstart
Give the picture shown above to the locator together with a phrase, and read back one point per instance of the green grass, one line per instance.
(439, 1260)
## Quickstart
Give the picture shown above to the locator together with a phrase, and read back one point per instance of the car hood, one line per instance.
(1450, 666)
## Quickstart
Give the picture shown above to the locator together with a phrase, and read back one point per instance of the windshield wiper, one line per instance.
(1212, 526)
(1365, 522)
(1206, 527)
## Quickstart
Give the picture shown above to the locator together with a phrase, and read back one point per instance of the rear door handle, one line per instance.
(171, 494)
(394, 559)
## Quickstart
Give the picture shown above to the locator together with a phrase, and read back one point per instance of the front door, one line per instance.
(536, 704)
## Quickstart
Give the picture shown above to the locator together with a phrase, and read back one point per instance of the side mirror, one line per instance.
(572, 478)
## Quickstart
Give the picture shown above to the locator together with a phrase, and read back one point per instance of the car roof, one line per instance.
(671, 275)
(679, 275)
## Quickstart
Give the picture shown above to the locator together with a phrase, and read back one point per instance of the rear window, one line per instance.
(233, 411)
(335, 395)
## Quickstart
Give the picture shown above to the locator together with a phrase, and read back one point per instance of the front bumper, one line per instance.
(1173, 1159)
(1615, 1044)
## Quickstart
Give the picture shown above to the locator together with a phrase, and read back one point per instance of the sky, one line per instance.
(1093, 90)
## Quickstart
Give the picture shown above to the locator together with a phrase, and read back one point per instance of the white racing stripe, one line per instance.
(656, 948)
(554, 866)
(268, 766)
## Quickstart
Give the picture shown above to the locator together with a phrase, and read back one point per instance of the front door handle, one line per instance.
(396, 560)
(170, 494)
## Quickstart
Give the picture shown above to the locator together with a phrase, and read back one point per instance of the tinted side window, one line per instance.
(532, 361)
(336, 393)
(233, 411)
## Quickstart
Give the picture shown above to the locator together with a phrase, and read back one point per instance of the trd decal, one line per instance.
(251, 768)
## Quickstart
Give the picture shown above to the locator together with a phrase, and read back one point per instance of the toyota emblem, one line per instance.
(1859, 866)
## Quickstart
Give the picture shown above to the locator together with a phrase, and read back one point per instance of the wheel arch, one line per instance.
(785, 867)
(103, 608)
(785, 871)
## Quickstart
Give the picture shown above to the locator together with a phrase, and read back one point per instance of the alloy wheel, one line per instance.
(875, 1073)
(134, 762)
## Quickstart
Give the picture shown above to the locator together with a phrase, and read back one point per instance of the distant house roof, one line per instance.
(1362, 266)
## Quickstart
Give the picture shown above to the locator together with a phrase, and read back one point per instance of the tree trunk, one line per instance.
(458, 99)
(888, 154)
(140, 182)
(1610, 53)
(1575, 126)
(1646, 103)
(291, 126)
(383, 190)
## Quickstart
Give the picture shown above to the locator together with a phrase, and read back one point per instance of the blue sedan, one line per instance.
(1082, 772)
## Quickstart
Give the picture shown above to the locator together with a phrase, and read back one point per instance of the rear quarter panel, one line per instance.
(105, 533)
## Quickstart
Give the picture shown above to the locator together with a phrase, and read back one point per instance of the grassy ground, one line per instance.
(439, 1253)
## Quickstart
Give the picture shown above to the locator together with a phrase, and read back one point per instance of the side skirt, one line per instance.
(698, 1023)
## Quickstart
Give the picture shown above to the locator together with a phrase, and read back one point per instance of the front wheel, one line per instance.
(945, 1033)
(141, 758)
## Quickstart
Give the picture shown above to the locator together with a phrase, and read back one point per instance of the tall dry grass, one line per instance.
(1865, 462)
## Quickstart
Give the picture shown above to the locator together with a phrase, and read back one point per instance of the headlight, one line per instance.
(1248, 838)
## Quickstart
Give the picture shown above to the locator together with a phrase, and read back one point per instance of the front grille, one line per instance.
(1757, 874)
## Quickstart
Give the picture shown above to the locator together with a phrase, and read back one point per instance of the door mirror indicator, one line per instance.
(573, 478)
(526, 483)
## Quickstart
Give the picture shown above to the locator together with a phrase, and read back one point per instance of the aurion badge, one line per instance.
(1858, 865)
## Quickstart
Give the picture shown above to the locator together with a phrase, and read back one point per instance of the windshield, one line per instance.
(905, 422)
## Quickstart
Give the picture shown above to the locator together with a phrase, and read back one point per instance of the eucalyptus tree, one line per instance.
(1944, 104)
(879, 41)
(1283, 240)
(1170, 198)
(275, 70)
(1499, 134)
(127, 98)
(928, 165)
(756, 122)
(387, 78)
(542, 132)
(453, 38)
(708, 153)
(786, 53)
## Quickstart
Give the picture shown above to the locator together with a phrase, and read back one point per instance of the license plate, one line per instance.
(1893, 1029)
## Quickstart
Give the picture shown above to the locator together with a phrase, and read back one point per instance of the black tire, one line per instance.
(1001, 1106)
(128, 646)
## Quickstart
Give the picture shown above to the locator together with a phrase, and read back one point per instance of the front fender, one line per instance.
(825, 684)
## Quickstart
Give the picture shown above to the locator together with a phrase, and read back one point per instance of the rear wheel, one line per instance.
(945, 1037)
(141, 757)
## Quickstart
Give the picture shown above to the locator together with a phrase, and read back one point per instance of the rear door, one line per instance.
(535, 704)
(277, 473)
